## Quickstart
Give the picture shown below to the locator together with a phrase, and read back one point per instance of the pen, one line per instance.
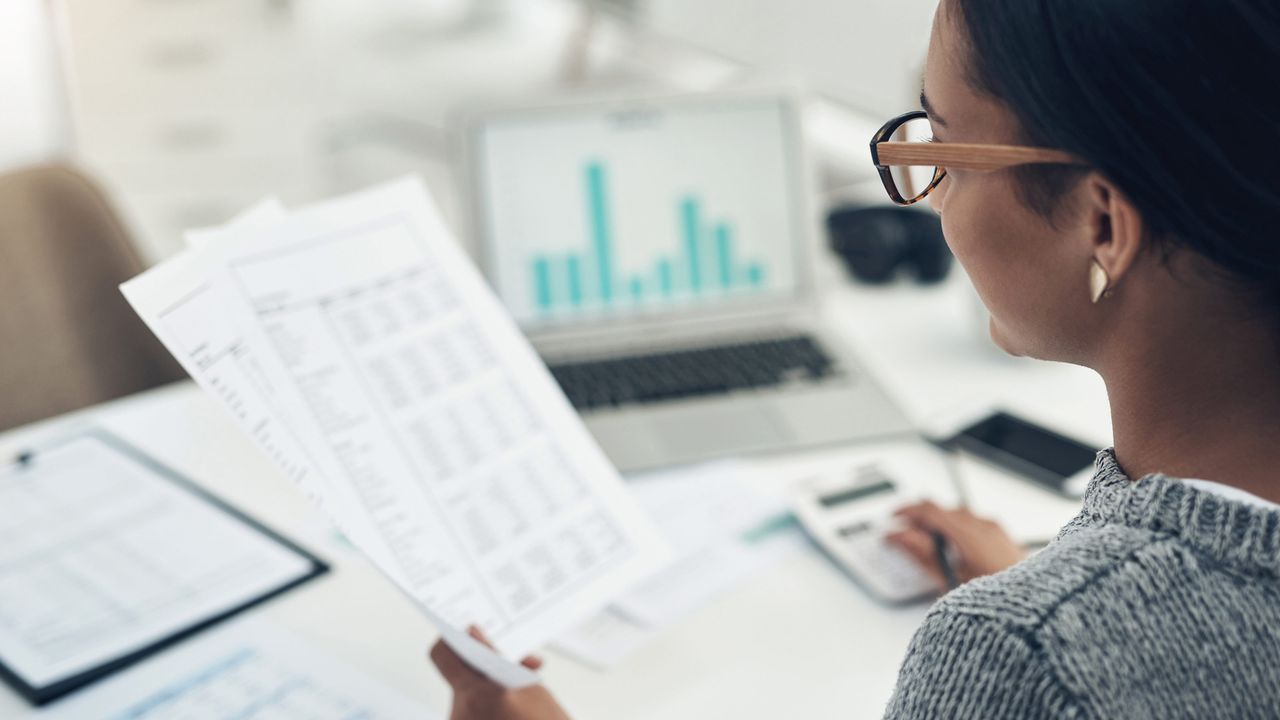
(957, 480)
(948, 572)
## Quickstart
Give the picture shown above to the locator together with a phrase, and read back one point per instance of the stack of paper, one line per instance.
(363, 352)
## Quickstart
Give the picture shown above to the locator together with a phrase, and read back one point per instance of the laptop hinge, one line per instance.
(639, 335)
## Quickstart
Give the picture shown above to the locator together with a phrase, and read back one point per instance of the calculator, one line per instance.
(848, 516)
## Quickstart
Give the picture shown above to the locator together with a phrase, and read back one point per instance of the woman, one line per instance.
(1134, 232)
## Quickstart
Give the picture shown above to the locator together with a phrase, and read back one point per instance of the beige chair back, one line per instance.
(68, 339)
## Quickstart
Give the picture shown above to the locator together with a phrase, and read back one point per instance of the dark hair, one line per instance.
(1176, 101)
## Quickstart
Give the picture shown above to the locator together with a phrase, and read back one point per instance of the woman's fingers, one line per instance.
(981, 546)
(959, 527)
(930, 517)
(920, 546)
(455, 670)
(532, 662)
(478, 635)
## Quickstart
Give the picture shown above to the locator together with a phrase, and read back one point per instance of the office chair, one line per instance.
(68, 339)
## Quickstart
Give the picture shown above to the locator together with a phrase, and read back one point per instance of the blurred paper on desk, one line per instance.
(363, 351)
(251, 670)
(724, 528)
(704, 512)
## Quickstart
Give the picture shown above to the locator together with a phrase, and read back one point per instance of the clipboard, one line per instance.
(291, 565)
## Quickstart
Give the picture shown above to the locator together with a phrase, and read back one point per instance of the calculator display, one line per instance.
(856, 493)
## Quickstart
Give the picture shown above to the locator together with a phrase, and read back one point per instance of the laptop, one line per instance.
(660, 255)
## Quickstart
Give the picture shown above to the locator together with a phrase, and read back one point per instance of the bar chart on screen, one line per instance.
(597, 215)
(703, 258)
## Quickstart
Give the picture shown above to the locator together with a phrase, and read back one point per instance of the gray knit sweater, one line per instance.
(1158, 601)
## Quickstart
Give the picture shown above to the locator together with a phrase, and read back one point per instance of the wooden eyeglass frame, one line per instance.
(886, 153)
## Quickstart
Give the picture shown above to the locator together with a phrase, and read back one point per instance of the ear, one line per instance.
(1116, 228)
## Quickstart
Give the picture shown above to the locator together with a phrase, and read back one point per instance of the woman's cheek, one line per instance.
(957, 220)
(972, 226)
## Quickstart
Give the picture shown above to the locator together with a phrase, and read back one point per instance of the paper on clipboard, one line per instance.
(106, 556)
(359, 346)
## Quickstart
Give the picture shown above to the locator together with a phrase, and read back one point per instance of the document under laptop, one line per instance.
(358, 346)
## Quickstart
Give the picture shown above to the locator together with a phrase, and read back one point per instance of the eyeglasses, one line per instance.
(911, 165)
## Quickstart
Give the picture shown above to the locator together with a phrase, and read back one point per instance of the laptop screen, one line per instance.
(595, 214)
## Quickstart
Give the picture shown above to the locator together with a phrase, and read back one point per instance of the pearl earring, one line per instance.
(1099, 281)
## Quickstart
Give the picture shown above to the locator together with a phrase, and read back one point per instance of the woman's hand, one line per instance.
(978, 546)
(476, 697)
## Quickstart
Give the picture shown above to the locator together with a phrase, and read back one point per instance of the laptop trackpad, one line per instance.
(738, 428)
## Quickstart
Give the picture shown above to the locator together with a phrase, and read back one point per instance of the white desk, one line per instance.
(797, 641)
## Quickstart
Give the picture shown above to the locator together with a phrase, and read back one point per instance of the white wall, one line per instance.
(33, 123)
(868, 53)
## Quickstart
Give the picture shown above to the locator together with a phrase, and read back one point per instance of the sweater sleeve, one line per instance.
(963, 666)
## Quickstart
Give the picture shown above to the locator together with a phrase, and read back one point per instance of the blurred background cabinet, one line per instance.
(188, 110)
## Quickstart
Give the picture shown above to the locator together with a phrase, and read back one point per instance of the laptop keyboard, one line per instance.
(655, 377)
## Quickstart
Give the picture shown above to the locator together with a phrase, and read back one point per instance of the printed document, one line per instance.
(359, 346)
(251, 670)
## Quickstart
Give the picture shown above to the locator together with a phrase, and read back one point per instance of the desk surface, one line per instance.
(798, 640)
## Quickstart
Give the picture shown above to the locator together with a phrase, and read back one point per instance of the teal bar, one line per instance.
(724, 240)
(690, 222)
(665, 282)
(573, 265)
(755, 274)
(542, 282)
(599, 218)
(637, 288)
